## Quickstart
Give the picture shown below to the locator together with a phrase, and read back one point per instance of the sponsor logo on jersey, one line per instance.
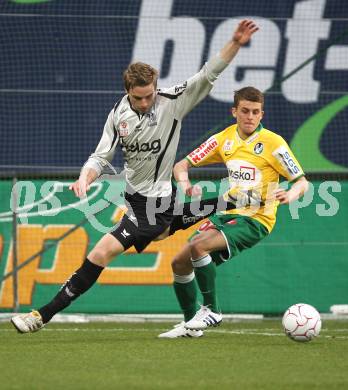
(258, 148)
(154, 147)
(232, 222)
(180, 88)
(243, 173)
(284, 157)
(124, 129)
(202, 151)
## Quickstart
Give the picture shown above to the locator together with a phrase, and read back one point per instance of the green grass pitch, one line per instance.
(241, 355)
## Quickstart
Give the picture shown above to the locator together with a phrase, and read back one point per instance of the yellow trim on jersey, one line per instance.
(254, 166)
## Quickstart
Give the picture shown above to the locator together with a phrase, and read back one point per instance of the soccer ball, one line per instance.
(301, 322)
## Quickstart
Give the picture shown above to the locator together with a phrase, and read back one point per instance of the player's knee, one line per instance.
(197, 246)
(101, 256)
(175, 264)
(181, 266)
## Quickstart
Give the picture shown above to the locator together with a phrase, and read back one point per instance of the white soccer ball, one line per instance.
(301, 322)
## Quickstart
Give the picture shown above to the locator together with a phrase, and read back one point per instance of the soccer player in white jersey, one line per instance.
(146, 124)
(255, 158)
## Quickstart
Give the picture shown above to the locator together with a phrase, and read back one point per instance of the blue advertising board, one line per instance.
(62, 62)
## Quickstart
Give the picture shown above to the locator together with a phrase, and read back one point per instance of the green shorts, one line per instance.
(239, 231)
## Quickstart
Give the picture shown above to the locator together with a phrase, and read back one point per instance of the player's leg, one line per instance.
(197, 210)
(184, 283)
(201, 246)
(105, 250)
(186, 294)
(193, 212)
(80, 281)
(232, 235)
(190, 214)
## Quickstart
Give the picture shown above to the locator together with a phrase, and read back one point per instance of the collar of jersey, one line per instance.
(252, 136)
(141, 114)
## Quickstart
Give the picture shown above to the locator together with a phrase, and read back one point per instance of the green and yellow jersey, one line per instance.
(254, 166)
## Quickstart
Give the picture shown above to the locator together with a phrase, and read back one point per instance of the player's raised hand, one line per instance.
(246, 28)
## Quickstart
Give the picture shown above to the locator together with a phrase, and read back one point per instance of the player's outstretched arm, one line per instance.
(242, 34)
(197, 87)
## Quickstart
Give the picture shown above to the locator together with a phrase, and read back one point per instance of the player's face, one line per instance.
(248, 115)
(142, 98)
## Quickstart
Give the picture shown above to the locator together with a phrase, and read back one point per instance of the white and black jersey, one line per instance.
(149, 141)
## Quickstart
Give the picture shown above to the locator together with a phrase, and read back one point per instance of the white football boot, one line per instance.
(203, 319)
(179, 330)
(28, 323)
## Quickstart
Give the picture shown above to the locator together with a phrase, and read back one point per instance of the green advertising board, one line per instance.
(303, 260)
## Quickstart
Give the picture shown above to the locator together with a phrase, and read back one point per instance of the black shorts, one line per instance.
(145, 220)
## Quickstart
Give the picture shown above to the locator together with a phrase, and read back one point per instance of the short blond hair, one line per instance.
(248, 93)
(139, 74)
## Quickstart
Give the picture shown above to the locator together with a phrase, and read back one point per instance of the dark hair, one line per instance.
(248, 93)
(139, 74)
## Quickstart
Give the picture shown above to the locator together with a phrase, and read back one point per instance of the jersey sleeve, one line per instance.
(285, 162)
(105, 150)
(196, 88)
(205, 154)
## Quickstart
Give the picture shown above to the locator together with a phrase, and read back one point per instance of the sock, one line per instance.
(79, 282)
(206, 274)
(186, 294)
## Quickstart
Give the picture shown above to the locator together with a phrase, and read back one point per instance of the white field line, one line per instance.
(243, 332)
(254, 332)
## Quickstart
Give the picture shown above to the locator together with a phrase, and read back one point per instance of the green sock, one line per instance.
(186, 294)
(206, 275)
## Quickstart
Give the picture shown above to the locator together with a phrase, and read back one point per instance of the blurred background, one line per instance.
(61, 65)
